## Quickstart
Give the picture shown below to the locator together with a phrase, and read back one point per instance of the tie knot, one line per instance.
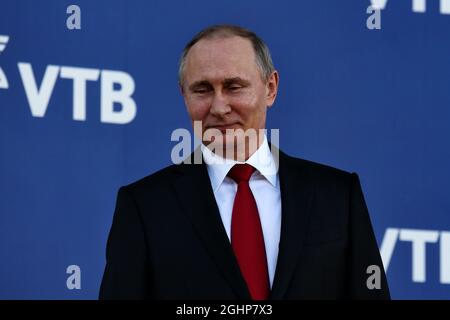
(241, 172)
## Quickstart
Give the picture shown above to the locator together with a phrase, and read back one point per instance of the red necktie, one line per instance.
(247, 238)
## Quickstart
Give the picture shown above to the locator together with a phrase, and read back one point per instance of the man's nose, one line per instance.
(219, 105)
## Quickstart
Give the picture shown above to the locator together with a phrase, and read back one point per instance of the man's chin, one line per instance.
(221, 143)
(228, 148)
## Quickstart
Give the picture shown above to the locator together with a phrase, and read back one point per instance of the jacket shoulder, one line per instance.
(154, 181)
(315, 170)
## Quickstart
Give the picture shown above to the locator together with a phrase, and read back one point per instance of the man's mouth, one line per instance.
(224, 127)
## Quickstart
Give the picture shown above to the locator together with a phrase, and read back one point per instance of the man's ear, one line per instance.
(182, 91)
(272, 88)
(180, 86)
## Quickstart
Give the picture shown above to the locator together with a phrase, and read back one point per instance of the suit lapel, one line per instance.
(193, 188)
(296, 199)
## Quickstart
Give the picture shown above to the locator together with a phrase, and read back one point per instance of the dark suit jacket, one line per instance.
(167, 240)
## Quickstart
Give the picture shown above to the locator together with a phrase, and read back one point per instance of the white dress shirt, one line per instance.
(265, 186)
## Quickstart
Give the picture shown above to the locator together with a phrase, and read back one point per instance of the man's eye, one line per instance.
(200, 91)
(235, 88)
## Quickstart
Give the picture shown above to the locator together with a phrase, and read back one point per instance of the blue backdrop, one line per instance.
(372, 101)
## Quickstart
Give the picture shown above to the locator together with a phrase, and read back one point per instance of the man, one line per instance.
(252, 227)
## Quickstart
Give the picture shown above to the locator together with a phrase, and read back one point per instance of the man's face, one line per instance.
(223, 86)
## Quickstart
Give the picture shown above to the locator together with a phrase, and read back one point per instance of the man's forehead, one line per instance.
(230, 48)
(226, 41)
(220, 58)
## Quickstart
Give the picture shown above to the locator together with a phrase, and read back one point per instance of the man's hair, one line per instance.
(262, 53)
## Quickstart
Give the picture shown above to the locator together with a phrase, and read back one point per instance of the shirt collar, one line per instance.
(262, 160)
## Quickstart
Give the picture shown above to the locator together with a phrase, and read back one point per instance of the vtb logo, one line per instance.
(419, 240)
(3, 42)
(417, 5)
(3, 80)
(116, 89)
